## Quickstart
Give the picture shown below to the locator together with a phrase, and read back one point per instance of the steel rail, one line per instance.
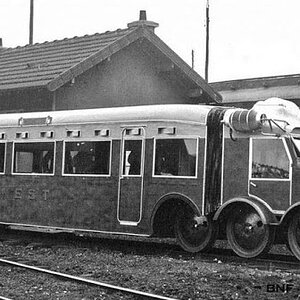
(3, 298)
(86, 281)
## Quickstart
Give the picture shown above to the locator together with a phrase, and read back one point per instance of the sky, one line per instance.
(248, 38)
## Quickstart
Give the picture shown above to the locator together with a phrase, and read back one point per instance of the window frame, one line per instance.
(141, 137)
(286, 148)
(33, 142)
(5, 157)
(296, 148)
(191, 137)
(86, 175)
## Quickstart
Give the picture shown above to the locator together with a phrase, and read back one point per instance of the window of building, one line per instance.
(2, 157)
(87, 158)
(175, 157)
(34, 158)
(132, 157)
(269, 159)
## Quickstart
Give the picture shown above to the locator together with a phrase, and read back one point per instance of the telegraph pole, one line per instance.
(193, 59)
(31, 23)
(207, 41)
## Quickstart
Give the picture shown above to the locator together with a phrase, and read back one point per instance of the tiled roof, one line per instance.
(39, 64)
(52, 64)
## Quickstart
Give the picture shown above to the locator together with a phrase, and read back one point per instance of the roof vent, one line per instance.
(143, 22)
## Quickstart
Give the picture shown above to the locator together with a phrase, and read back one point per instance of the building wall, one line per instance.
(246, 92)
(127, 78)
(133, 76)
(26, 100)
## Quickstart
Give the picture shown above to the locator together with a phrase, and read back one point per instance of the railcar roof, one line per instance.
(169, 112)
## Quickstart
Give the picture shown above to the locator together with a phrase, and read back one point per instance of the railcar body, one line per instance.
(196, 172)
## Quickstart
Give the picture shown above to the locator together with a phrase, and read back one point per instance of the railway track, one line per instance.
(4, 298)
(268, 261)
(84, 281)
(37, 243)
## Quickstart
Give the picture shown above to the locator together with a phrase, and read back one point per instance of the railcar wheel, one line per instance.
(294, 235)
(247, 235)
(192, 235)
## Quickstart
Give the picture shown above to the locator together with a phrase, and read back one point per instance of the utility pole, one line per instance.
(207, 41)
(31, 23)
(193, 59)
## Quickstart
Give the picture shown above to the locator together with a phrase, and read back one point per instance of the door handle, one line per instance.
(253, 184)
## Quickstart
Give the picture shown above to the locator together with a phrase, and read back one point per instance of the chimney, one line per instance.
(1, 45)
(143, 22)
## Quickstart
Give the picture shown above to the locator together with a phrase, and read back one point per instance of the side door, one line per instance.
(270, 171)
(131, 177)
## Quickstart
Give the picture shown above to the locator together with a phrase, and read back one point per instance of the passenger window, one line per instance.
(87, 158)
(132, 157)
(269, 159)
(34, 158)
(2, 157)
(175, 157)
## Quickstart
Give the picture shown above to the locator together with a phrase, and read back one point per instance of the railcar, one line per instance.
(195, 172)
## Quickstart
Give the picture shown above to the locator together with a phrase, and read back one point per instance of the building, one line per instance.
(130, 66)
(245, 92)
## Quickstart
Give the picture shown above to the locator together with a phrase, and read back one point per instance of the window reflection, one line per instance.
(269, 159)
(87, 157)
(175, 157)
(132, 157)
(34, 158)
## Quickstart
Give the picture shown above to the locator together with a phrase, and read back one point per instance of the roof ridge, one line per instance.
(66, 39)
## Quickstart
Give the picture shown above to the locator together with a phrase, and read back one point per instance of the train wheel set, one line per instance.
(246, 233)
(194, 237)
(294, 235)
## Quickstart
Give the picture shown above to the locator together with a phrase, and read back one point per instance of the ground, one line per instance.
(150, 267)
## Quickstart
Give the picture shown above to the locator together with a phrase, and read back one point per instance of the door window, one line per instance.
(269, 159)
(132, 157)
